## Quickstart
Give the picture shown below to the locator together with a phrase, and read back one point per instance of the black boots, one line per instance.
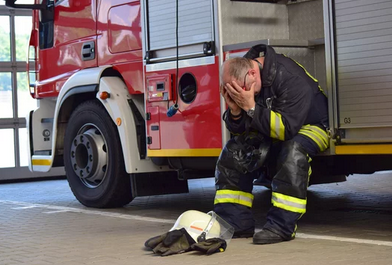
(266, 237)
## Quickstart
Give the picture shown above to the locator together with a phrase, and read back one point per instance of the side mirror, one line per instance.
(44, 5)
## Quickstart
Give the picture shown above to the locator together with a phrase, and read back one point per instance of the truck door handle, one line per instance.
(88, 51)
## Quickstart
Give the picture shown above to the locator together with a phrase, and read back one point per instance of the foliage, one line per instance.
(21, 43)
(5, 45)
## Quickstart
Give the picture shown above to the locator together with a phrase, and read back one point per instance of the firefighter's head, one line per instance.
(243, 71)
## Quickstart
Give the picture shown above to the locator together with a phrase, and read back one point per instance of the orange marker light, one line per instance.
(104, 95)
(118, 121)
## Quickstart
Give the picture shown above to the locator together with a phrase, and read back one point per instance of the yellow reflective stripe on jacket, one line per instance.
(288, 203)
(306, 71)
(319, 136)
(234, 196)
(277, 127)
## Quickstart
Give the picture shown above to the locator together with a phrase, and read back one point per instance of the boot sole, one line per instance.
(266, 241)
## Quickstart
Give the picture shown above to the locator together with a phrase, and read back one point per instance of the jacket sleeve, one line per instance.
(235, 126)
(289, 110)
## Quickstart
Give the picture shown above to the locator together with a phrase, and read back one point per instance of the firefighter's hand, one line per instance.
(234, 108)
(245, 99)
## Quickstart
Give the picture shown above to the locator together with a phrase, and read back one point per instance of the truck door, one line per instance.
(363, 68)
(66, 41)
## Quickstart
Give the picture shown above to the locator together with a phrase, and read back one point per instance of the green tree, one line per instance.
(5, 81)
(5, 45)
(5, 78)
(21, 44)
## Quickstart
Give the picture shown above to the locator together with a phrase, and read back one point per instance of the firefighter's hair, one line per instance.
(238, 67)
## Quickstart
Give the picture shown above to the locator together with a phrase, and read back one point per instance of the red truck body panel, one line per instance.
(115, 28)
(196, 125)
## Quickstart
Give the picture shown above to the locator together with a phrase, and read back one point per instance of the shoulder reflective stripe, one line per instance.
(288, 203)
(231, 196)
(322, 91)
(306, 71)
(277, 127)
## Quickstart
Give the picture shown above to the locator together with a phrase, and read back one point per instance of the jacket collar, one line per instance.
(269, 70)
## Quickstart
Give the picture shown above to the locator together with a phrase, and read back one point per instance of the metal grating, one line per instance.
(194, 23)
(364, 62)
(246, 21)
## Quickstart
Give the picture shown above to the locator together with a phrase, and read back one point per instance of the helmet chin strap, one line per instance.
(202, 236)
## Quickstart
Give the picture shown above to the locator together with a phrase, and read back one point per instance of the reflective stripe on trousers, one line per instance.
(288, 203)
(318, 135)
(234, 196)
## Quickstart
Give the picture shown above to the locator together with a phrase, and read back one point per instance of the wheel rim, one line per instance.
(89, 156)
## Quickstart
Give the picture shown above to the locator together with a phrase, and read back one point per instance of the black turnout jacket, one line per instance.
(290, 98)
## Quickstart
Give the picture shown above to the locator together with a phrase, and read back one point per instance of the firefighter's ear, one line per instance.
(252, 72)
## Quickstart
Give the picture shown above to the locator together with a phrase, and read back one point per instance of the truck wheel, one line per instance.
(93, 158)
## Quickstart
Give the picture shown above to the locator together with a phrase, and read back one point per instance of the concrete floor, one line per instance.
(42, 223)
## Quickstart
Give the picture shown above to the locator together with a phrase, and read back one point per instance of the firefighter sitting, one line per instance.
(271, 95)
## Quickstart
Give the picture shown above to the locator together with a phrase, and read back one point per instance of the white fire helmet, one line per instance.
(201, 226)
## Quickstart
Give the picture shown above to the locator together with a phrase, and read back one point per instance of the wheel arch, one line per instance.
(80, 87)
(126, 111)
(120, 106)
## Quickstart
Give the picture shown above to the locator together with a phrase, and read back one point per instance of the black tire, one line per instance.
(93, 158)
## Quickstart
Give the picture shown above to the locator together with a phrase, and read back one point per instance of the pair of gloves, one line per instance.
(179, 241)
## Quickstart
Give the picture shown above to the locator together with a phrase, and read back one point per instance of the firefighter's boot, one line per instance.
(289, 188)
(266, 237)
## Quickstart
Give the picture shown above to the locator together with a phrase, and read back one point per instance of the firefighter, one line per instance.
(275, 96)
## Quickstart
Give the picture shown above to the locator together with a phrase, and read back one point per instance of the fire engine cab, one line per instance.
(128, 90)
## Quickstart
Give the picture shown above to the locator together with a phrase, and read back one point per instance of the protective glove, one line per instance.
(210, 246)
(173, 242)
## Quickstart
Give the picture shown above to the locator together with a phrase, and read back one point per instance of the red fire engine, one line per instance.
(128, 90)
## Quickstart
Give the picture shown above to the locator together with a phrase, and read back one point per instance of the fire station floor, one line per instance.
(42, 223)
